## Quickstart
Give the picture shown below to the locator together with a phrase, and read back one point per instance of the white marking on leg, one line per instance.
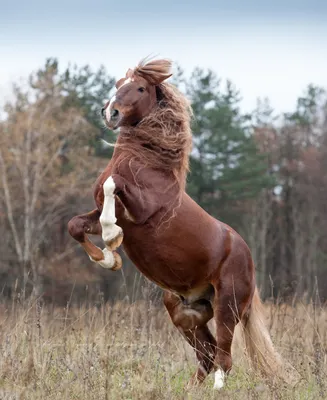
(219, 379)
(108, 261)
(108, 217)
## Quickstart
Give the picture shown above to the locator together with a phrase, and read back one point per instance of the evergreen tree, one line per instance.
(83, 89)
(226, 168)
(87, 90)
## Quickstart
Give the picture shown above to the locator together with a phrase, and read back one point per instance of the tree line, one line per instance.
(262, 173)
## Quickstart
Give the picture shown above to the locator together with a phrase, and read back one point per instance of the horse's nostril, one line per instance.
(103, 112)
(114, 113)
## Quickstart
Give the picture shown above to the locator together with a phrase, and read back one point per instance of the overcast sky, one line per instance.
(271, 49)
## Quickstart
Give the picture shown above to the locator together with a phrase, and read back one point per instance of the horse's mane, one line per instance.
(163, 139)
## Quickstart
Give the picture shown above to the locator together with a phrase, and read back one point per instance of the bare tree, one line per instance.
(43, 161)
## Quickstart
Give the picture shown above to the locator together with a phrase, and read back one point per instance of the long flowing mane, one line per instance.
(163, 139)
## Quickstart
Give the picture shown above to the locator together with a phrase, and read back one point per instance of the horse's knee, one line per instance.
(76, 228)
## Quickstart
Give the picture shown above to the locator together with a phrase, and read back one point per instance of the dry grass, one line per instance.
(133, 352)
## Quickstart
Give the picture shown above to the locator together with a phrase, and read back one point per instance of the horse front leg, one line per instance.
(112, 234)
(82, 225)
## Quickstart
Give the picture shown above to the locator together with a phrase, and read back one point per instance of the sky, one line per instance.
(267, 49)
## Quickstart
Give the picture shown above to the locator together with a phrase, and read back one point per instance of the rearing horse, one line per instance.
(203, 265)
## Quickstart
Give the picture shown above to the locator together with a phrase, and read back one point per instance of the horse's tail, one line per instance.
(259, 345)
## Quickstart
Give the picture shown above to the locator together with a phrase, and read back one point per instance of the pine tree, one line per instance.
(226, 167)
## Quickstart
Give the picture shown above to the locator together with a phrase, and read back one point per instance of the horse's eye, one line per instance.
(141, 89)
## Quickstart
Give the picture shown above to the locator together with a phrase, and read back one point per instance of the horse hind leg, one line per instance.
(191, 321)
(231, 302)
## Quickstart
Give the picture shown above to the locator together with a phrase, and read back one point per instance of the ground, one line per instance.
(132, 351)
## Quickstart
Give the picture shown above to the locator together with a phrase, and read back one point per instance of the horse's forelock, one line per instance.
(155, 71)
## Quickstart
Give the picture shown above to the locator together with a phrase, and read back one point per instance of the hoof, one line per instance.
(196, 380)
(111, 260)
(115, 242)
(118, 262)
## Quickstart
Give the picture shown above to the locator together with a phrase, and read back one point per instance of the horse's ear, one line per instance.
(129, 73)
(119, 83)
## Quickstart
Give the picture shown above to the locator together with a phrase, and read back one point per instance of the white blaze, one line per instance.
(113, 99)
(108, 109)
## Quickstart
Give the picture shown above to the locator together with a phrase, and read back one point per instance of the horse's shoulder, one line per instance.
(138, 173)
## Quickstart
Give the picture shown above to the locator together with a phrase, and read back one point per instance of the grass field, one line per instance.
(132, 351)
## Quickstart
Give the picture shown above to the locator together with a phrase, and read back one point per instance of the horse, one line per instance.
(204, 267)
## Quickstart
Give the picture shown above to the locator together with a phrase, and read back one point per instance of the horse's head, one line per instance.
(136, 94)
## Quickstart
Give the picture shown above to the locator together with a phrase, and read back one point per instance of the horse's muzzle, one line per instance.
(113, 118)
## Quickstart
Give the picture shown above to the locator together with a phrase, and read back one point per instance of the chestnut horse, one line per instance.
(203, 265)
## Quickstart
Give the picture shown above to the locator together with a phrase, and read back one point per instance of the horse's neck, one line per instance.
(123, 155)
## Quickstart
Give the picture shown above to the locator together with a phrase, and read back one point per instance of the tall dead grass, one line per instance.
(132, 351)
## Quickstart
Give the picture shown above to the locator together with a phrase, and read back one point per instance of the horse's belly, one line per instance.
(181, 255)
(185, 282)
(170, 265)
